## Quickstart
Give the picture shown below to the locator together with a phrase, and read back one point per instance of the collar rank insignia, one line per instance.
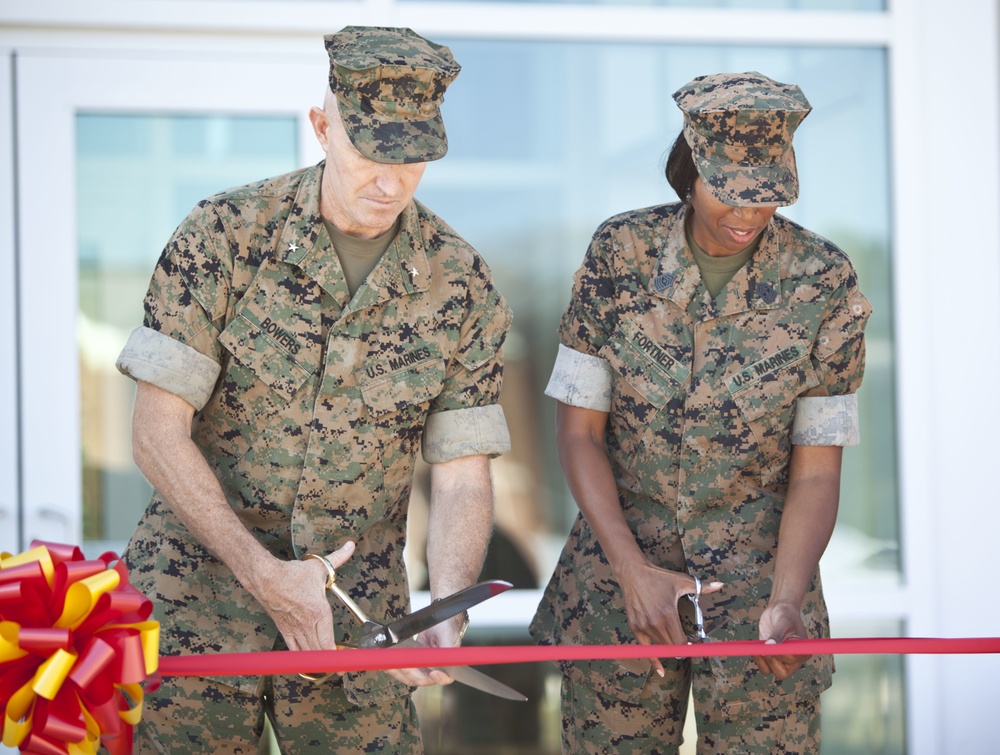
(665, 281)
(766, 292)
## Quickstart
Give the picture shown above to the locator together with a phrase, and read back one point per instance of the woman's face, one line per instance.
(720, 229)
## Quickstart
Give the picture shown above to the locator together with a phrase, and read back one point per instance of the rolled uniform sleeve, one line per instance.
(177, 348)
(828, 415)
(171, 365)
(466, 418)
(580, 377)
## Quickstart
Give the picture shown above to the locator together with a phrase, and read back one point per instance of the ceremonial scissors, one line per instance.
(402, 632)
(700, 634)
(699, 621)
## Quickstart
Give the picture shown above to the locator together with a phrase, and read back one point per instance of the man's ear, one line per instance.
(321, 126)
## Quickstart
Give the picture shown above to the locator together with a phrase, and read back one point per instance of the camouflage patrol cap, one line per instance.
(389, 84)
(739, 127)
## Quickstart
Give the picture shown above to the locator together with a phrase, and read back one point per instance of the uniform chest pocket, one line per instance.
(397, 393)
(267, 350)
(258, 381)
(403, 383)
(765, 393)
(644, 378)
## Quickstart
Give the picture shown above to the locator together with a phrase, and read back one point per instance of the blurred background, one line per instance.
(119, 115)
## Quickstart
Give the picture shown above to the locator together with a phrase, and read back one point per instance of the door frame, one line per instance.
(10, 457)
(52, 90)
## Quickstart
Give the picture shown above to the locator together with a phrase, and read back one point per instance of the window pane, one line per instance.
(547, 140)
(137, 177)
(864, 710)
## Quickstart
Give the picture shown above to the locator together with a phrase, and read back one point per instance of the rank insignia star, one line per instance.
(293, 247)
(414, 272)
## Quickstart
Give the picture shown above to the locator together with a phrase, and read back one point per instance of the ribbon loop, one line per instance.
(75, 648)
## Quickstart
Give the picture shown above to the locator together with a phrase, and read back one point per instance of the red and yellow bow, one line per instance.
(75, 646)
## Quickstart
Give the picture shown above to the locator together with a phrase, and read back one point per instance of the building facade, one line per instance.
(119, 115)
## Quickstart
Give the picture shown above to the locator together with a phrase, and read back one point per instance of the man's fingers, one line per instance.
(420, 677)
(340, 556)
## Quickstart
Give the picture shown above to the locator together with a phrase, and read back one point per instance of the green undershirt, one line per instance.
(716, 272)
(358, 257)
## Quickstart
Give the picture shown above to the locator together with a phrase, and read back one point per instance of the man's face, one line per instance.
(360, 197)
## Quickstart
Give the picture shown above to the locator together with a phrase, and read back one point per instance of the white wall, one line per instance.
(947, 270)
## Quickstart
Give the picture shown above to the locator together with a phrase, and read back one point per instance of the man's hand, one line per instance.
(294, 595)
(447, 634)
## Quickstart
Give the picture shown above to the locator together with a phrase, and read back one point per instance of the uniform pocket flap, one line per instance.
(392, 384)
(773, 382)
(646, 366)
(266, 349)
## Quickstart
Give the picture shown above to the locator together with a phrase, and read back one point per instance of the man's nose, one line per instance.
(389, 177)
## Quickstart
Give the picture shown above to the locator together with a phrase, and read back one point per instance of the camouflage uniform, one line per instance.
(705, 399)
(310, 405)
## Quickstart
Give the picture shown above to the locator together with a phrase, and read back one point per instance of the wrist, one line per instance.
(785, 602)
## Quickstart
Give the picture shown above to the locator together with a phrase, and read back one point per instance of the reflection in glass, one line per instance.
(548, 140)
(137, 177)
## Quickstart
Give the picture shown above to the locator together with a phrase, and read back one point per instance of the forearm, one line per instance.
(588, 472)
(291, 592)
(459, 524)
(176, 468)
(808, 520)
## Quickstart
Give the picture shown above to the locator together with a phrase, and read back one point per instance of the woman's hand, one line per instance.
(651, 595)
(780, 622)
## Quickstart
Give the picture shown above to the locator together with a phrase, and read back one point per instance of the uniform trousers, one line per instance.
(193, 715)
(596, 724)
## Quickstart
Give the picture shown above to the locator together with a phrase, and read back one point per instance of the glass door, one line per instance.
(120, 153)
(137, 176)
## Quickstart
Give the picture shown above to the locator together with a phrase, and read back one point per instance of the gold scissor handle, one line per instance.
(332, 586)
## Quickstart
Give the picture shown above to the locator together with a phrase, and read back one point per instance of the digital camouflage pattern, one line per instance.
(320, 404)
(389, 85)
(177, 720)
(654, 724)
(739, 127)
(703, 393)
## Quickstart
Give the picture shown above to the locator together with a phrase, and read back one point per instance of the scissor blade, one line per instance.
(469, 676)
(440, 610)
(472, 678)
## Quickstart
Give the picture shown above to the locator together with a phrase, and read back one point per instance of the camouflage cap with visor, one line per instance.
(739, 127)
(389, 84)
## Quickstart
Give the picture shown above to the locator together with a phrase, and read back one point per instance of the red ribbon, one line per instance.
(287, 662)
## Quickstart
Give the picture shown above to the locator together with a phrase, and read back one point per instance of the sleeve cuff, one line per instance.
(580, 379)
(476, 431)
(169, 364)
(827, 421)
